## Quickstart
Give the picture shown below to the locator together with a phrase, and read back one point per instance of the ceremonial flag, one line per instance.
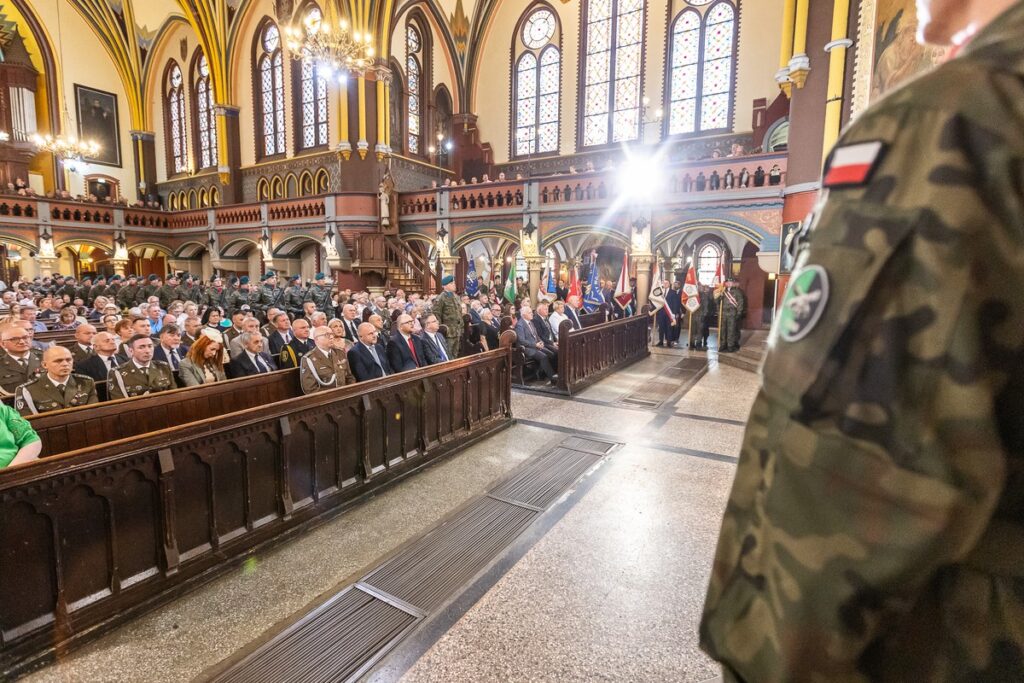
(691, 291)
(551, 283)
(471, 285)
(594, 297)
(718, 283)
(657, 295)
(510, 283)
(575, 289)
(623, 292)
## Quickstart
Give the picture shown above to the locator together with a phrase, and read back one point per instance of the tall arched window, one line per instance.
(312, 94)
(414, 88)
(708, 259)
(613, 44)
(174, 116)
(269, 98)
(537, 80)
(702, 60)
(205, 118)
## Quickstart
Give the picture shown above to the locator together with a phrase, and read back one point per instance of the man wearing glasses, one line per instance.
(19, 363)
(56, 388)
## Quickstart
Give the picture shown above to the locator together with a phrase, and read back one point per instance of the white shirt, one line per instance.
(555, 320)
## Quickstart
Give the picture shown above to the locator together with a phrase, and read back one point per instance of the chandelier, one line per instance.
(331, 49)
(69, 150)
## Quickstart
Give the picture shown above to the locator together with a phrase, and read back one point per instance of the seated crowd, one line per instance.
(119, 346)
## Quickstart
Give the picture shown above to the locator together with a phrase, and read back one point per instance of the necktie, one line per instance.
(375, 359)
(412, 350)
(351, 329)
(110, 362)
(260, 365)
(287, 337)
(440, 347)
(174, 358)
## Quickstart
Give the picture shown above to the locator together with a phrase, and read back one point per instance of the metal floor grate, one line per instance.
(344, 637)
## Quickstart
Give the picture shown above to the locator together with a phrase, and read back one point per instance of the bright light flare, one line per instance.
(641, 177)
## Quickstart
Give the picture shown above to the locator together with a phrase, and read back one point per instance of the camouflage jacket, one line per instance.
(293, 299)
(448, 310)
(126, 296)
(268, 297)
(321, 296)
(875, 524)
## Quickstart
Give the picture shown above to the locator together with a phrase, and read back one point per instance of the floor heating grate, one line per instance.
(344, 637)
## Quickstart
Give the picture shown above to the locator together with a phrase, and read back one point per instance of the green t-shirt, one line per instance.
(15, 434)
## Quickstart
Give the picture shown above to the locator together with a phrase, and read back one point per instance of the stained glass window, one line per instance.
(174, 102)
(614, 48)
(206, 116)
(702, 54)
(270, 91)
(707, 263)
(537, 82)
(414, 89)
(313, 95)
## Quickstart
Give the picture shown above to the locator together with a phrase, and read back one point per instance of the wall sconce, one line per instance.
(529, 229)
(442, 233)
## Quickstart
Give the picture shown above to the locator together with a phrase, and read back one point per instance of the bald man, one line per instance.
(56, 388)
(365, 358)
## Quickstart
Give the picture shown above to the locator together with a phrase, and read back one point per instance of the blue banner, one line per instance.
(472, 286)
(593, 298)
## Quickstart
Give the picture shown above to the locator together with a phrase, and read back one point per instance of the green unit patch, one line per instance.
(804, 303)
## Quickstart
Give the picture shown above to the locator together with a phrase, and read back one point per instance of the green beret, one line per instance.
(447, 280)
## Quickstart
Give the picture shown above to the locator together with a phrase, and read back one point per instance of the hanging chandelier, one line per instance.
(67, 148)
(332, 49)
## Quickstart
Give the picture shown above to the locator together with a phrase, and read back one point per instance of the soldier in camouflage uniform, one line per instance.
(269, 296)
(448, 310)
(240, 297)
(876, 522)
(83, 289)
(151, 288)
(187, 290)
(168, 292)
(294, 296)
(96, 290)
(112, 288)
(694, 319)
(734, 310)
(56, 388)
(320, 294)
(125, 297)
(213, 296)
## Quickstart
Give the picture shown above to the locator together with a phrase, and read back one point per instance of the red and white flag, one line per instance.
(657, 295)
(852, 165)
(691, 291)
(575, 289)
(623, 292)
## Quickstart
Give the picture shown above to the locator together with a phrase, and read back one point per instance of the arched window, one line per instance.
(312, 94)
(708, 259)
(205, 117)
(613, 44)
(414, 88)
(537, 80)
(269, 80)
(702, 59)
(174, 116)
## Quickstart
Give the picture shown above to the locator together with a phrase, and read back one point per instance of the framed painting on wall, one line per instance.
(98, 120)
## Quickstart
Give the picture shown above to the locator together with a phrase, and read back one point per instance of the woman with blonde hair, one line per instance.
(204, 362)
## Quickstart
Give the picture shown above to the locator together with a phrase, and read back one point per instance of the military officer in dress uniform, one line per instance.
(56, 388)
(448, 310)
(320, 294)
(19, 362)
(294, 295)
(875, 531)
(141, 375)
(325, 367)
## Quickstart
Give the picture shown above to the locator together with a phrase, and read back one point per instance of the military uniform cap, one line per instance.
(270, 273)
(244, 280)
(294, 278)
(319, 276)
(447, 280)
(233, 279)
(153, 278)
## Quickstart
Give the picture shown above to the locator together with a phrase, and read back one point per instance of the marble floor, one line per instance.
(609, 589)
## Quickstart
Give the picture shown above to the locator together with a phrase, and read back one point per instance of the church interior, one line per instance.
(459, 525)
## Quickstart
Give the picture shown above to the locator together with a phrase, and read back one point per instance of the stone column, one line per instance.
(120, 266)
(535, 267)
(47, 264)
(643, 277)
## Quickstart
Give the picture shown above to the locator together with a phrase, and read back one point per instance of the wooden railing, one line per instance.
(93, 537)
(586, 355)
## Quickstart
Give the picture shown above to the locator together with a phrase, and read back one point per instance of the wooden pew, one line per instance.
(86, 426)
(95, 536)
(587, 355)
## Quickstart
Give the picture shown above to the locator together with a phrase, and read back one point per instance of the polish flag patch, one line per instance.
(852, 165)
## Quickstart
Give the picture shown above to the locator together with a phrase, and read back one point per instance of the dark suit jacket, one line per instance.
(352, 337)
(574, 317)
(275, 341)
(525, 335)
(430, 349)
(399, 356)
(544, 331)
(362, 365)
(490, 332)
(242, 366)
(94, 367)
(299, 348)
(158, 354)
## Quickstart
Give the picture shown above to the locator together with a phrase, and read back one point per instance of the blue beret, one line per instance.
(319, 276)
(447, 280)
(244, 280)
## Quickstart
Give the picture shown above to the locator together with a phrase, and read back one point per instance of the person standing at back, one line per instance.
(875, 529)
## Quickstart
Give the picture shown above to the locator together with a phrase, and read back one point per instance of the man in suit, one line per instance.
(104, 359)
(533, 347)
(572, 312)
(83, 342)
(365, 359)
(252, 359)
(435, 346)
(281, 335)
(299, 346)
(170, 350)
(351, 324)
(248, 325)
(192, 327)
(405, 352)
(544, 331)
(489, 329)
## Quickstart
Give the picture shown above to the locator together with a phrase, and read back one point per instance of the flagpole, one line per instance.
(689, 334)
(721, 308)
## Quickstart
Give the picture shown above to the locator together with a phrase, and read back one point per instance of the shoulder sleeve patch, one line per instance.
(853, 165)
